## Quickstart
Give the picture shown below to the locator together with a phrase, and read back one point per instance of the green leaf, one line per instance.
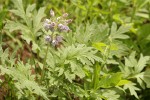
(61, 71)
(141, 63)
(37, 24)
(123, 82)
(81, 53)
(79, 72)
(119, 34)
(20, 10)
(96, 76)
(131, 61)
(144, 77)
(144, 38)
(25, 80)
(91, 32)
(133, 66)
(29, 9)
(69, 76)
(2, 17)
(110, 80)
(99, 46)
(4, 55)
(110, 95)
(12, 26)
(132, 88)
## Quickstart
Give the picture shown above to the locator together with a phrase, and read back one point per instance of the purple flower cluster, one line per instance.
(57, 24)
(48, 25)
(62, 27)
(54, 24)
(56, 41)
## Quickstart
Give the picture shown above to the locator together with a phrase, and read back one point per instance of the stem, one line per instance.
(106, 55)
(1, 37)
(133, 13)
(96, 75)
(149, 9)
(43, 71)
(69, 96)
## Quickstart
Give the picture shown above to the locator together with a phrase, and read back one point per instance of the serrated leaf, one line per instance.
(35, 47)
(134, 66)
(61, 71)
(29, 9)
(22, 73)
(110, 80)
(119, 34)
(131, 61)
(110, 95)
(20, 10)
(113, 28)
(40, 65)
(123, 82)
(37, 20)
(12, 26)
(69, 76)
(141, 63)
(99, 46)
(79, 72)
(132, 88)
(144, 77)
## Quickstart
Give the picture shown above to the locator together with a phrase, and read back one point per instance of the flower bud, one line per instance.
(59, 38)
(52, 26)
(66, 28)
(52, 13)
(68, 21)
(47, 21)
(55, 43)
(62, 27)
(58, 18)
(48, 38)
(46, 26)
(65, 15)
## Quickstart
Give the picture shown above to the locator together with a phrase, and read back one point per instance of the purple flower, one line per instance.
(66, 28)
(62, 27)
(52, 26)
(46, 26)
(48, 38)
(60, 23)
(55, 43)
(59, 38)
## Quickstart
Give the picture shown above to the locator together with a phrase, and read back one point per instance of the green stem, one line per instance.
(133, 13)
(69, 96)
(106, 55)
(149, 9)
(96, 75)
(1, 37)
(43, 71)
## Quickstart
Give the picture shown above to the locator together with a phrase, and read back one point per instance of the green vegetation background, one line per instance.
(130, 62)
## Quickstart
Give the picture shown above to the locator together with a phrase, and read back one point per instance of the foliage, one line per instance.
(102, 55)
